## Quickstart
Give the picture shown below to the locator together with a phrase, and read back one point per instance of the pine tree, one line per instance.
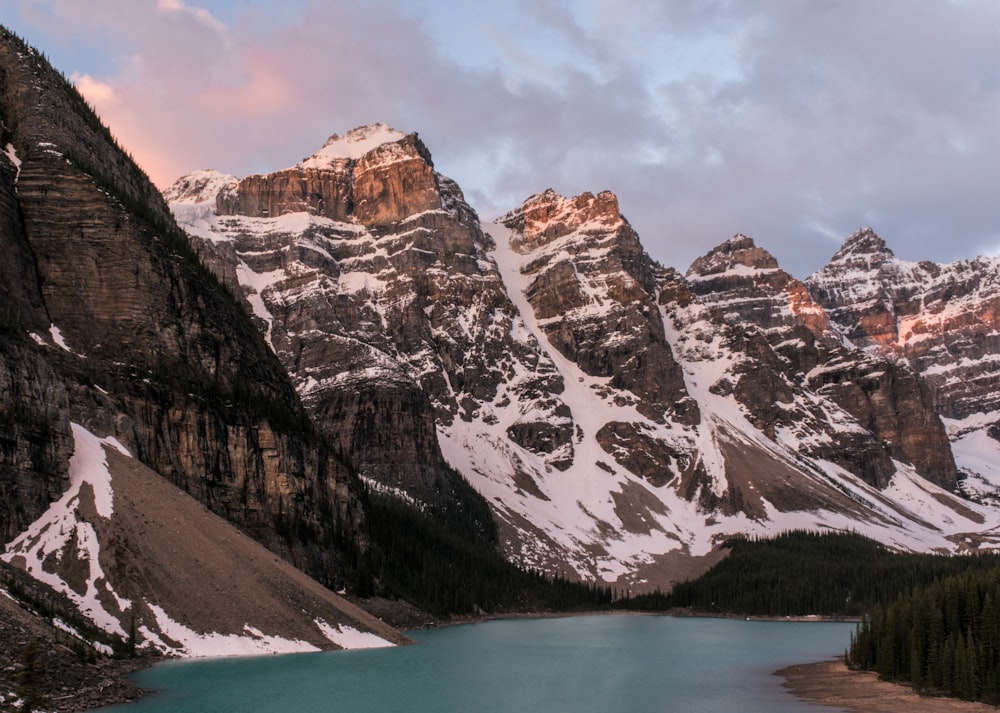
(30, 678)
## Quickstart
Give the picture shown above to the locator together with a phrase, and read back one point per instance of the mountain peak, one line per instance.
(734, 254)
(547, 216)
(198, 187)
(353, 145)
(863, 242)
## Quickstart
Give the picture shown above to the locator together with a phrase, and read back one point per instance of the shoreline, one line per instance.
(831, 683)
(678, 613)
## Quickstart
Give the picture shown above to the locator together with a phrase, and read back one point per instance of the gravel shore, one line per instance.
(831, 683)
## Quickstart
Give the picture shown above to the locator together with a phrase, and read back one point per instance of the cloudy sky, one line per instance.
(792, 121)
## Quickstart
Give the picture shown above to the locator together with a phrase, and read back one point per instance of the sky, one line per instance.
(794, 122)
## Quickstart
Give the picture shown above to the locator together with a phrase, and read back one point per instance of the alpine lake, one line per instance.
(577, 664)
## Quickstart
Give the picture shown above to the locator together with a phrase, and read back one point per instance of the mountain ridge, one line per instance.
(612, 345)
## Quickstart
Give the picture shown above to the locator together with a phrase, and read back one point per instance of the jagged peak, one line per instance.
(353, 145)
(552, 214)
(198, 186)
(862, 242)
(738, 251)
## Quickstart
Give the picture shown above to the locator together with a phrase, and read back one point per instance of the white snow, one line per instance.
(355, 144)
(191, 644)
(354, 282)
(347, 637)
(977, 455)
(57, 337)
(62, 529)
(13, 158)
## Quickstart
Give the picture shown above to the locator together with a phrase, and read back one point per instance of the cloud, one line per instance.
(95, 91)
(791, 122)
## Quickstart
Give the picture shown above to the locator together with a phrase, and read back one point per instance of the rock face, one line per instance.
(941, 321)
(745, 283)
(374, 175)
(944, 320)
(591, 290)
(746, 286)
(110, 321)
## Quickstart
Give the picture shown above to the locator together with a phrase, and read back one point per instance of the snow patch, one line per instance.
(190, 643)
(11, 155)
(355, 144)
(347, 637)
(57, 338)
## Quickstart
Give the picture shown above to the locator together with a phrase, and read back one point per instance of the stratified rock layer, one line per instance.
(113, 323)
(746, 286)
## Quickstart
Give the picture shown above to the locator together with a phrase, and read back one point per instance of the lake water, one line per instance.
(588, 664)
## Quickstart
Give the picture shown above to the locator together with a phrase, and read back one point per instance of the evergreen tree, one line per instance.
(942, 638)
(30, 678)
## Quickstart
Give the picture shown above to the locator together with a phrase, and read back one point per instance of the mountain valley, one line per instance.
(202, 392)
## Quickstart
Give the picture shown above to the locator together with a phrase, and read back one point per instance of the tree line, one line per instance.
(447, 565)
(801, 573)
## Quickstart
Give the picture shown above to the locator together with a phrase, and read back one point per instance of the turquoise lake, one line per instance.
(586, 664)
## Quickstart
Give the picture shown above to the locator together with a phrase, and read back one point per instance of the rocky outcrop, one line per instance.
(746, 284)
(374, 175)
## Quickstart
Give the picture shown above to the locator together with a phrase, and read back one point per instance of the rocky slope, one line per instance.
(942, 321)
(619, 418)
(142, 559)
(110, 322)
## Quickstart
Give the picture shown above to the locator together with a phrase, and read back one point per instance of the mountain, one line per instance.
(941, 321)
(746, 285)
(129, 376)
(621, 419)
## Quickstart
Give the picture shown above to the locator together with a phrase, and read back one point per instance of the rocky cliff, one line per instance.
(746, 286)
(109, 321)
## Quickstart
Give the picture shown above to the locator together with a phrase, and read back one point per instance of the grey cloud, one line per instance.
(792, 122)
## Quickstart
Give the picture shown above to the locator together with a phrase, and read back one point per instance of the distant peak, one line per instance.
(585, 207)
(547, 216)
(862, 242)
(198, 186)
(353, 145)
(738, 251)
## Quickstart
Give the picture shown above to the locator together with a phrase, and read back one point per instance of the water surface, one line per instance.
(591, 664)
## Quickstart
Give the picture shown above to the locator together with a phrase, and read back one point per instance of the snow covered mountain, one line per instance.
(621, 419)
(943, 321)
